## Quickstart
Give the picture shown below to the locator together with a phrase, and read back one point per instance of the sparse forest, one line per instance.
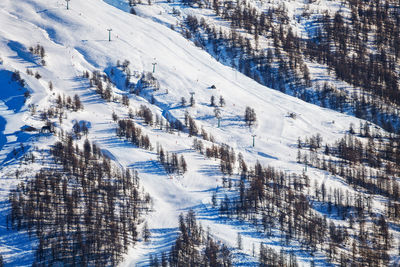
(342, 43)
(145, 132)
(82, 209)
(193, 247)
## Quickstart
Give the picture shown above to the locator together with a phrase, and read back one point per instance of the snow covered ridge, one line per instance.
(255, 203)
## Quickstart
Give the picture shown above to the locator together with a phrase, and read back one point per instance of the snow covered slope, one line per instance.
(76, 40)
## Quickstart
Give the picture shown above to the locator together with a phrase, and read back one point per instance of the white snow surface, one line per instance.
(76, 40)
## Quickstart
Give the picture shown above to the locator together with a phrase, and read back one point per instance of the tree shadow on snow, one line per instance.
(162, 240)
(205, 212)
(17, 246)
(149, 167)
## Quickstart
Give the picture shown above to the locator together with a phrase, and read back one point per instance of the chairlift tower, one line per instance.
(305, 165)
(109, 34)
(154, 66)
(192, 101)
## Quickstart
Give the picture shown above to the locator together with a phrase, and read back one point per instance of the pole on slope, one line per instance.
(109, 34)
(254, 138)
(305, 165)
(192, 99)
(67, 4)
(154, 66)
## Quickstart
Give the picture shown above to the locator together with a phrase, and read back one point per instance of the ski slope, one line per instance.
(76, 40)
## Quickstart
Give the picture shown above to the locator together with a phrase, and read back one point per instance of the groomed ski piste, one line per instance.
(76, 40)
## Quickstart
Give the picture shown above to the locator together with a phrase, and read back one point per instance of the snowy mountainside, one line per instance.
(76, 41)
(309, 49)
